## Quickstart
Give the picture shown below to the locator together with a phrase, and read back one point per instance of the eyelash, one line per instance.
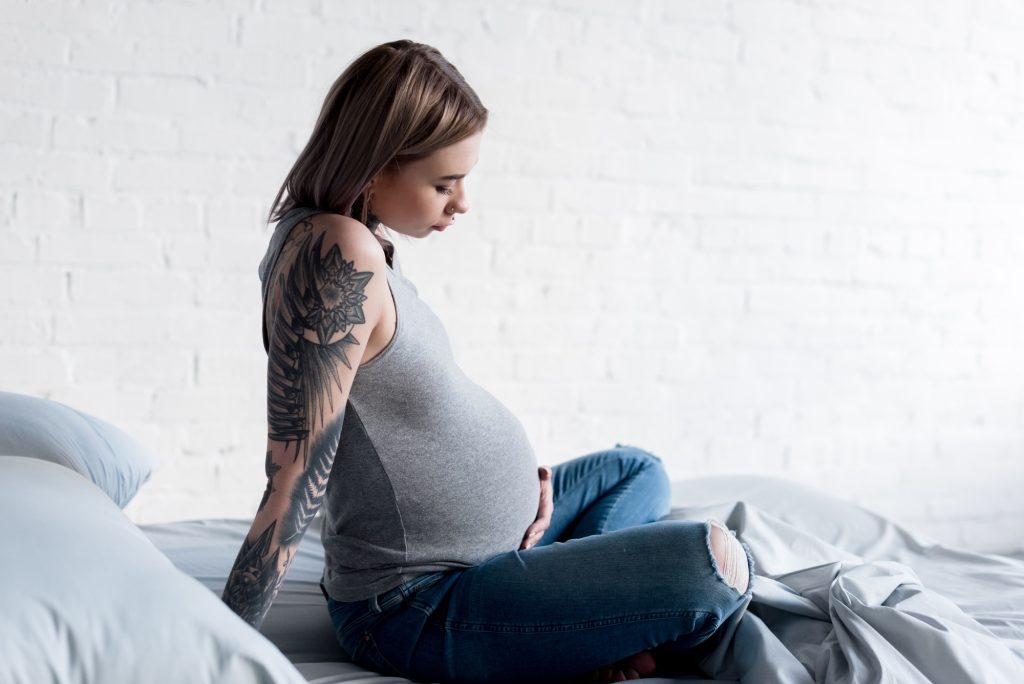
(445, 191)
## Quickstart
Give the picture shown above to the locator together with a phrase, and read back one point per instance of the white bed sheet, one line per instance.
(841, 594)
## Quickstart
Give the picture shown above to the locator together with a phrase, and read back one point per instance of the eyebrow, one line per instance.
(455, 176)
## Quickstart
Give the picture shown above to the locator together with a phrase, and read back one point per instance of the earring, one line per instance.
(370, 220)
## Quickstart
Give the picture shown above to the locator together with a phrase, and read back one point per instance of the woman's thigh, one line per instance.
(556, 611)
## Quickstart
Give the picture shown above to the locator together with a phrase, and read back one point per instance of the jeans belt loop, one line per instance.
(373, 604)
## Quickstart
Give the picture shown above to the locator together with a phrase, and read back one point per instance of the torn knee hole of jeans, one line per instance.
(728, 556)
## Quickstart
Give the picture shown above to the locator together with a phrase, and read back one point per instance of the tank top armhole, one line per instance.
(398, 327)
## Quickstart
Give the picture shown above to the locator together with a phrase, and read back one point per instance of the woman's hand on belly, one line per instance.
(544, 510)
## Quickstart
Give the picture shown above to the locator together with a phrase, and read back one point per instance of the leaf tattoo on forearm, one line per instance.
(255, 578)
(310, 487)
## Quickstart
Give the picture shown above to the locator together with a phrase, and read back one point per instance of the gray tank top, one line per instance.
(432, 473)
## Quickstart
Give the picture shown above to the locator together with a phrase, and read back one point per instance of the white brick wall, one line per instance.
(759, 236)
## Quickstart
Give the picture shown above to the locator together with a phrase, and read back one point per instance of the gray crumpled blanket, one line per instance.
(842, 594)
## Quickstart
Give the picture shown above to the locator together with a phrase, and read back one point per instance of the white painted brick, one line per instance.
(465, 333)
(117, 327)
(782, 52)
(703, 11)
(206, 25)
(717, 201)
(47, 211)
(101, 53)
(247, 218)
(60, 90)
(773, 17)
(18, 248)
(170, 175)
(59, 170)
(476, 294)
(176, 217)
(102, 133)
(172, 57)
(235, 254)
(845, 58)
(215, 328)
(578, 61)
(28, 129)
(100, 249)
(110, 213)
(113, 405)
(177, 98)
(6, 208)
(749, 171)
(541, 261)
(224, 289)
(32, 284)
(256, 179)
(199, 137)
(131, 368)
(33, 371)
(211, 403)
(724, 235)
(260, 31)
(998, 40)
(23, 45)
(130, 287)
(232, 370)
(575, 95)
(25, 326)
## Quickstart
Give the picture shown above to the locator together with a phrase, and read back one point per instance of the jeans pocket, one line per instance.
(367, 654)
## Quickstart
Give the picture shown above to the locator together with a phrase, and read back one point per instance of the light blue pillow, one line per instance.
(87, 598)
(51, 431)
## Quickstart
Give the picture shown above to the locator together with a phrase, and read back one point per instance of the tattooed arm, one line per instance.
(326, 301)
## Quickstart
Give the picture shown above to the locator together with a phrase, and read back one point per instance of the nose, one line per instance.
(459, 203)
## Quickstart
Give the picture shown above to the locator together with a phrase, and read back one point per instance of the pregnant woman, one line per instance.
(450, 555)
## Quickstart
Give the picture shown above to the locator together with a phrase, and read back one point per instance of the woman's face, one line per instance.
(418, 198)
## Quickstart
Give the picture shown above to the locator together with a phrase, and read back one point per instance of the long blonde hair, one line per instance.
(396, 103)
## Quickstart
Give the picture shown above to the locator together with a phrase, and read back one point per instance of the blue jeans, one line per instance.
(607, 579)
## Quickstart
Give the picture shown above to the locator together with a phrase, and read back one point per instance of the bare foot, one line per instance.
(638, 665)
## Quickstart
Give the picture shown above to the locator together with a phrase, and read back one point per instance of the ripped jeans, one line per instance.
(607, 579)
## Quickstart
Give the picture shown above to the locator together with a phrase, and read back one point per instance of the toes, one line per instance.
(643, 663)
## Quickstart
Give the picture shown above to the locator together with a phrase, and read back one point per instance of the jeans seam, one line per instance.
(371, 645)
(463, 626)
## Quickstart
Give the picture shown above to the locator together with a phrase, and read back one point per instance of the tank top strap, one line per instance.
(269, 261)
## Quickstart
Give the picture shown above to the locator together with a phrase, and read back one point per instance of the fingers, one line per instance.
(531, 538)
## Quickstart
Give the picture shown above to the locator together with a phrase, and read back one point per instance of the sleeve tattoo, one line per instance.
(321, 298)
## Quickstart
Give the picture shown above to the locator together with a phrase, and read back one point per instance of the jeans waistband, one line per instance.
(378, 603)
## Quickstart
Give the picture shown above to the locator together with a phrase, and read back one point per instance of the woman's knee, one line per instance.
(642, 460)
(658, 484)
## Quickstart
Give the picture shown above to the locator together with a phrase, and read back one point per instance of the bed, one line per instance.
(842, 594)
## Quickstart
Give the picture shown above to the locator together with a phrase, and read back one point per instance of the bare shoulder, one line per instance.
(352, 237)
(336, 260)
